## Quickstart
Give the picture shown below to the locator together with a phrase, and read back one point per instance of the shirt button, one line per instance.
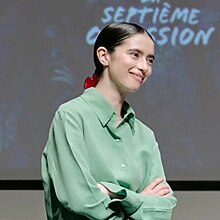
(123, 165)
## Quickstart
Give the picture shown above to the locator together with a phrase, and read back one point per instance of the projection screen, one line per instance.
(46, 53)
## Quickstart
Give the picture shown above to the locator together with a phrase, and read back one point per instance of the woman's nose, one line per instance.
(143, 65)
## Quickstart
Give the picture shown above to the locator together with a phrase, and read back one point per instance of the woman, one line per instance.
(100, 162)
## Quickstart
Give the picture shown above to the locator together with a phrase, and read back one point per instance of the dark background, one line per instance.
(45, 57)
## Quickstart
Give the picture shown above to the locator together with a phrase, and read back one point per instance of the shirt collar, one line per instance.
(104, 110)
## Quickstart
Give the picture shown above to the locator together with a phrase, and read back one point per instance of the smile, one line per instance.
(138, 77)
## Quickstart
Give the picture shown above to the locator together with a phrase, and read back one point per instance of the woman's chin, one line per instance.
(134, 89)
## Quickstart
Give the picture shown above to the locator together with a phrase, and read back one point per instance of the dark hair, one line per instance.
(113, 35)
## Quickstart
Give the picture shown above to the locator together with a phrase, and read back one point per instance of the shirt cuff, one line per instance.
(129, 200)
(138, 206)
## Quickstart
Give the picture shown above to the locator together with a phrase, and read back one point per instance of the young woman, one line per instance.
(100, 161)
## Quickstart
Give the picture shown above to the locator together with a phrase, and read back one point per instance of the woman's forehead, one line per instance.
(138, 41)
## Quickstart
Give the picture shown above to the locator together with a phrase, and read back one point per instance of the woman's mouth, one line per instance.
(138, 77)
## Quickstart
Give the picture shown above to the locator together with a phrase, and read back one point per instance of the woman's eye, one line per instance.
(136, 55)
(150, 61)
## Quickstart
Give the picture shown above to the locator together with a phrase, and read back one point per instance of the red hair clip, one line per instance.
(91, 81)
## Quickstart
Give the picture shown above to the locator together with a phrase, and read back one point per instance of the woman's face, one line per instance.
(131, 63)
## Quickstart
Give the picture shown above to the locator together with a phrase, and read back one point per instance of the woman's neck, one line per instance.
(112, 95)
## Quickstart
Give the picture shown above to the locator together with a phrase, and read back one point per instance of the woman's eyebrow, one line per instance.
(136, 50)
(141, 52)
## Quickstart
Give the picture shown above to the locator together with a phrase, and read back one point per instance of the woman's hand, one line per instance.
(157, 188)
(103, 189)
(109, 193)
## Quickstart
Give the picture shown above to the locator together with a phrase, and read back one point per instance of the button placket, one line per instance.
(123, 165)
(118, 140)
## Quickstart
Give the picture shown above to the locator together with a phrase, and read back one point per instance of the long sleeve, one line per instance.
(67, 166)
(141, 207)
(84, 148)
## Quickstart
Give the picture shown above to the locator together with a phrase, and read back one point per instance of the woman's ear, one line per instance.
(103, 55)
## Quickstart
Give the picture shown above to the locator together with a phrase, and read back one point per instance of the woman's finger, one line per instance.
(163, 192)
(161, 187)
(155, 183)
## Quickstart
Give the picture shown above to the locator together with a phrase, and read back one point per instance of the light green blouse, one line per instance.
(85, 148)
